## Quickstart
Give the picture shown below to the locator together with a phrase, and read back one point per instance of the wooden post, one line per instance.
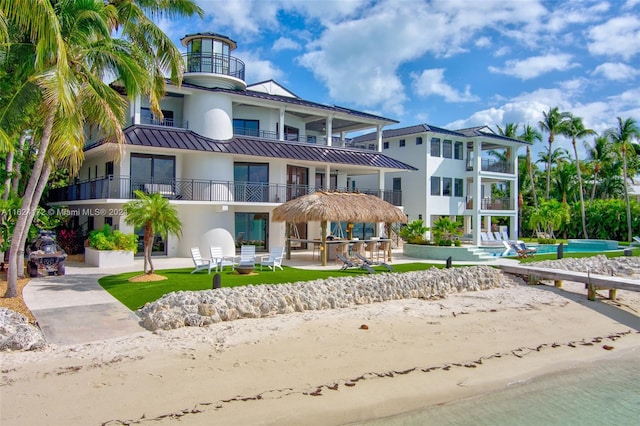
(591, 292)
(558, 283)
(612, 293)
(533, 280)
(288, 237)
(388, 225)
(323, 246)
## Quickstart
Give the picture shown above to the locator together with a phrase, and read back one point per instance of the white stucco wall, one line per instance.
(210, 114)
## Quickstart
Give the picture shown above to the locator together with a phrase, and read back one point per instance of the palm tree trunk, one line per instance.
(549, 166)
(148, 247)
(42, 183)
(22, 224)
(15, 180)
(533, 184)
(582, 210)
(626, 193)
(595, 182)
(8, 169)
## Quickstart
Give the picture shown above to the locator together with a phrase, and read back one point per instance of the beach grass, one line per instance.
(135, 294)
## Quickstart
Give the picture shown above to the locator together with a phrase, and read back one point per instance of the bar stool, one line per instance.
(343, 249)
(316, 249)
(357, 247)
(371, 247)
(384, 249)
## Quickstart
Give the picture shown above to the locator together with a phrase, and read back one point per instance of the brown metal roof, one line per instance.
(170, 137)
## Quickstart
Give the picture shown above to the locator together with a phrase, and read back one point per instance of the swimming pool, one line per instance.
(574, 246)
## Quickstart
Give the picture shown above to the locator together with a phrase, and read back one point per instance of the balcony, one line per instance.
(492, 204)
(123, 187)
(214, 63)
(491, 165)
(165, 122)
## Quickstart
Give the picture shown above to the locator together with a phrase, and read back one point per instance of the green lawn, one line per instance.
(135, 295)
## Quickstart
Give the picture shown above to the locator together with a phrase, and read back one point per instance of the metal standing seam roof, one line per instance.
(422, 128)
(291, 100)
(167, 137)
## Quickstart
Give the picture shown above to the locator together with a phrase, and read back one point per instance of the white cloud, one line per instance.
(617, 71)
(501, 51)
(535, 66)
(285, 43)
(483, 42)
(245, 18)
(258, 69)
(620, 36)
(431, 83)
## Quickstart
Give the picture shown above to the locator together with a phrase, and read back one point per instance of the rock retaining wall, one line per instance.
(200, 308)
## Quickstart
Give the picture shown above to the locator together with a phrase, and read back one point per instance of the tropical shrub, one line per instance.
(106, 239)
(445, 231)
(413, 232)
(71, 240)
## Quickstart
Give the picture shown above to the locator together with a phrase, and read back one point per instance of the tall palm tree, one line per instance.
(74, 49)
(575, 130)
(553, 123)
(599, 155)
(531, 135)
(156, 215)
(510, 130)
(622, 137)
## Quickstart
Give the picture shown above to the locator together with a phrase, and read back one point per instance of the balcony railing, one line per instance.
(491, 165)
(214, 63)
(492, 204)
(123, 187)
(166, 122)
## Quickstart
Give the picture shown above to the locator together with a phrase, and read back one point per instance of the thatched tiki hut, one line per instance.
(337, 207)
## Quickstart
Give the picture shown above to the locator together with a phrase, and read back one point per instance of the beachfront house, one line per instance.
(226, 153)
(471, 173)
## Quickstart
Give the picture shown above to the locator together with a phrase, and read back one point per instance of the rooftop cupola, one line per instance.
(209, 63)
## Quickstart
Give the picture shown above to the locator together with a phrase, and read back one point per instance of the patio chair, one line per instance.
(372, 263)
(200, 263)
(498, 236)
(346, 264)
(522, 252)
(371, 247)
(273, 260)
(219, 259)
(507, 249)
(523, 246)
(247, 256)
(505, 236)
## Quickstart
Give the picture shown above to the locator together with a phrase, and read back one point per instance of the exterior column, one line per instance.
(281, 129)
(380, 226)
(477, 192)
(135, 110)
(379, 137)
(329, 129)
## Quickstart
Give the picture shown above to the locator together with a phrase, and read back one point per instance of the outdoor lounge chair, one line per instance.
(505, 236)
(522, 252)
(200, 263)
(636, 239)
(372, 263)
(219, 259)
(346, 264)
(273, 260)
(247, 256)
(523, 246)
(507, 248)
(485, 240)
(498, 236)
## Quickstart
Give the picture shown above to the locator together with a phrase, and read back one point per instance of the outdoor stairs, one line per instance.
(479, 254)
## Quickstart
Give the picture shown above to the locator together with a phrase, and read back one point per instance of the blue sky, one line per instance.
(448, 63)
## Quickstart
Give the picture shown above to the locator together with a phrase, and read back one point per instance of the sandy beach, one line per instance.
(323, 367)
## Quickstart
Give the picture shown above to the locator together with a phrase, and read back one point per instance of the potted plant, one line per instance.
(109, 248)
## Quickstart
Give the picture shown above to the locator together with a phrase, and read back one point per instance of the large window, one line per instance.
(146, 168)
(402, 143)
(457, 152)
(291, 133)
(457, 188)
(246, 127)
(251, 182)
(435, 185)
(446, 187)
(447, 149)
(254, 229)
(435, 147)
(147, 117)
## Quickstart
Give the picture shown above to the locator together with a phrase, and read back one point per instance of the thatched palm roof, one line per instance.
(338, 207)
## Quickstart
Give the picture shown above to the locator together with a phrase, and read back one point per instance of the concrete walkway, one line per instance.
(75, 309)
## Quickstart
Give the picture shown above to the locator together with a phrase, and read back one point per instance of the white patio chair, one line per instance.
(200, 263)
(498, 236)
(247, 256)
(505, 236)
(219, 259)
(273, 260)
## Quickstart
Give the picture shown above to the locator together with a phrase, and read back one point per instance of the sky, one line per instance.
(447, 63)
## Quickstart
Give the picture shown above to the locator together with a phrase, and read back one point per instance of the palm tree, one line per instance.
(531, 135)
(510, 130)
(74, 50)
(553, 123)
(622, 137)
(156, 215)
(575, 130)
(598, 156)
